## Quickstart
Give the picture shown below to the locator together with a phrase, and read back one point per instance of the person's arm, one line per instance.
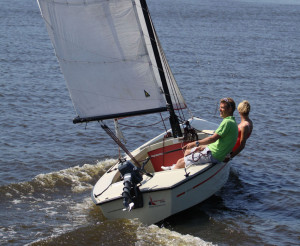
(243, 140)
(204, 141)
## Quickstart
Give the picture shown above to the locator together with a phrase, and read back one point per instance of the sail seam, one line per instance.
(76, 4)
(103, 62)
(111, 96)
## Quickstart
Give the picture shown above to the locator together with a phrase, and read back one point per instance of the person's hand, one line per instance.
(188, 146)
(227, 158)
(199, 149)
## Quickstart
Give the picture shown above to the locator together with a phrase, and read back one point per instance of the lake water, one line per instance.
(231, 48)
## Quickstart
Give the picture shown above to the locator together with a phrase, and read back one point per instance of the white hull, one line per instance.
(166, 193)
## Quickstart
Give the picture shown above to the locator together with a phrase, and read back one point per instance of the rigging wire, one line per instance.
(163, 122)
(168, 73)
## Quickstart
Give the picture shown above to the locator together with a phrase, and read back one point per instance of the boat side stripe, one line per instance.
(210, 176)
(180, 194)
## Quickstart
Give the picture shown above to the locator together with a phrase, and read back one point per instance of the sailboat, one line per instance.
(115, 67)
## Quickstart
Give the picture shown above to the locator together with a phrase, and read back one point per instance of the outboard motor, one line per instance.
(132, 196)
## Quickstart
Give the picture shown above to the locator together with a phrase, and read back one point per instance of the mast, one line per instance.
(173, 117)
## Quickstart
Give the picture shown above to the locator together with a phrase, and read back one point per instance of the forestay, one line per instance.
(106, 56)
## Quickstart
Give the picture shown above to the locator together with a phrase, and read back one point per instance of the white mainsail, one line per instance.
(105, 54)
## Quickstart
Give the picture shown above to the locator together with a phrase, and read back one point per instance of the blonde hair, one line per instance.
(244, 107)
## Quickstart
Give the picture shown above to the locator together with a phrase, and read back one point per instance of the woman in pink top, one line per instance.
(245, 129)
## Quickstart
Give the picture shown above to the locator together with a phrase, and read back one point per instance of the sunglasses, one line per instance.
(227, 101)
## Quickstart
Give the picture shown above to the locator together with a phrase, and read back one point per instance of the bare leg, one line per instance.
(187, 152)
(180, 164)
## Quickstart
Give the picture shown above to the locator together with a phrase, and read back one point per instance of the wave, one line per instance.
(161, 236)
(121, 232)
(75, 179)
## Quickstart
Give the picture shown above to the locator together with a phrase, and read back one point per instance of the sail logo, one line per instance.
(146, 94)
(156, 203)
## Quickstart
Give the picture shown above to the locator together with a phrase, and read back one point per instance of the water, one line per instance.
(242, 49)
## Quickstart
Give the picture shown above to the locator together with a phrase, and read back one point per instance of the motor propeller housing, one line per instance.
(132, 196)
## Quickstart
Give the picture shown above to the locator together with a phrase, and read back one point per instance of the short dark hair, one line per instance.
(229, 101)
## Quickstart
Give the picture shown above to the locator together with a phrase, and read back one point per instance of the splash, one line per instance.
(162, 236)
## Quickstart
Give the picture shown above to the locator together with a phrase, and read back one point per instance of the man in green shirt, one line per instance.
(216, 147)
